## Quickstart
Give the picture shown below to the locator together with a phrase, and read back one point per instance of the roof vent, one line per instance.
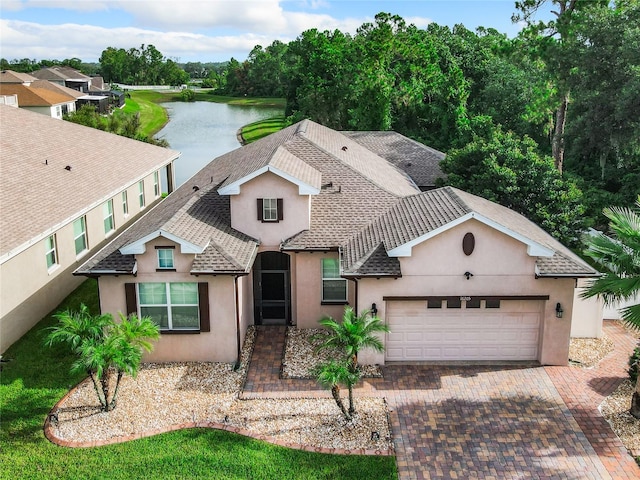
(196, 188)
(327, 185)
(68, 168)
(344, 148)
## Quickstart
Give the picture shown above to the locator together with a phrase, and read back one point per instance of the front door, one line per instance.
(271, 288)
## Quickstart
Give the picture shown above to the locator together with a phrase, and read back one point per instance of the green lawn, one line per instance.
(36, 377)
(262, 128)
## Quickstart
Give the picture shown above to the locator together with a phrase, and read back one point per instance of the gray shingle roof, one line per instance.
(365, 208)
(35, 185)
(420, 162)
(414, 216)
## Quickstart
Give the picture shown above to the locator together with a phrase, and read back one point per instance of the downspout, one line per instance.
(239, 353)
(355, 295)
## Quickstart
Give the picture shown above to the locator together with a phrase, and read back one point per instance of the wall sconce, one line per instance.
(468, 275)
(559, 310)
(374, 310)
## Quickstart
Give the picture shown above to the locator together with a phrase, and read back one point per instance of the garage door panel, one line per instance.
(511, 332)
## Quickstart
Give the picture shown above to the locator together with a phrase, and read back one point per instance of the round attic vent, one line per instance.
(468, 243)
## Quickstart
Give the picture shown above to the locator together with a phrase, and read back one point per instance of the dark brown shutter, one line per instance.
(260, 213)
(203, 305)
(280, 213)
(130, 295)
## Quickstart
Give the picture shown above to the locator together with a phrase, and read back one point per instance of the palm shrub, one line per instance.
(331, 375)
(104, 347)
(351, 335)
(619, 256)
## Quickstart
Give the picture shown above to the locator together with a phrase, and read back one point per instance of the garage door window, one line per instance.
(473, 303)
(454, 303)
(437, 303)
(492, 303)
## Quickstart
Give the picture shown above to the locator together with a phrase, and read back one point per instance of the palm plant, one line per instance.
(620, 258)
(103, 346)
(333, 374)
(353, 334)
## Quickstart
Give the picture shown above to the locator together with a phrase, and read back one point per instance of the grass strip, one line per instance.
(257, 130)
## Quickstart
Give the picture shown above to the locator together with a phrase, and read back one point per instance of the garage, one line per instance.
(463, 329)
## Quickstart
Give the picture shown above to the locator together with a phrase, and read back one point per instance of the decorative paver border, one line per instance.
(50, 435)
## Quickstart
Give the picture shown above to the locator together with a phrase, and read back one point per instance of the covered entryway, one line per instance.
(463, 329)
(272, 289)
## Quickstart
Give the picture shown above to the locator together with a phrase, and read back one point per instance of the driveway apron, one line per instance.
(484, 422)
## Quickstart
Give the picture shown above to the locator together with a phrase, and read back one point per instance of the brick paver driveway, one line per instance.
(485, 422)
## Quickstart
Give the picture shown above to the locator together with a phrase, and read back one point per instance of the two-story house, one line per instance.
(301, 223)
(66, 190)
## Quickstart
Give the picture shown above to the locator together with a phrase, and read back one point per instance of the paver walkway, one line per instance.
(485, 422)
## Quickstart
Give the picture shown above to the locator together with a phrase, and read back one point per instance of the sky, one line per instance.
(211, 30)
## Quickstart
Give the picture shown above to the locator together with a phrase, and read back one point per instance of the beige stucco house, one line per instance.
(66, 190)
(308, 220)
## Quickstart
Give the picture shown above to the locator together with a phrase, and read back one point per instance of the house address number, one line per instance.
(465, 299)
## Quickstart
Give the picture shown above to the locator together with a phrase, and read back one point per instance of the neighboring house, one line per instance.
(69, 77)
(40, 100)
(9, 76)
(307, 220)
(66, 188)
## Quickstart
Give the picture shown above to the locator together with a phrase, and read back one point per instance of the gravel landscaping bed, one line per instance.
(615, 409)
(176, 393)
(588, 352)
(300, 355)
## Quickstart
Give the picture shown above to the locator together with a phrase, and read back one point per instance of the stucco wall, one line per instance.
(29, 291)
(308, 287)
(218, 345)
(586, 321)
(271, 234)
(500, 267)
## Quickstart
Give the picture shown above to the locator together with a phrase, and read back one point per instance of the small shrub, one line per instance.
(188, 95)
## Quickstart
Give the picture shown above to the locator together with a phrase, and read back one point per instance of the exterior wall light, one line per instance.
(559, 310)
(374, 310)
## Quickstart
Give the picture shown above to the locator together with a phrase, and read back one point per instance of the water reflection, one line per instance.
(203, 131)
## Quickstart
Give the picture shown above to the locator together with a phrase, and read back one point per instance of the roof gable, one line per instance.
(140, 246)
(287, 166)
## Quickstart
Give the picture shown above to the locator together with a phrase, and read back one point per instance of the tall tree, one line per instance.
(509, 170)
(619, 256)
(550, 40)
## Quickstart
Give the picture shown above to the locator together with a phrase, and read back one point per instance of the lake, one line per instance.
(203, 131)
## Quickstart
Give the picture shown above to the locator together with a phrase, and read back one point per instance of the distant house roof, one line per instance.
(9, 76)
(56, 87)
(35, 97)
(60, 73)
(39, 195)
(365, 207)
(420, 162)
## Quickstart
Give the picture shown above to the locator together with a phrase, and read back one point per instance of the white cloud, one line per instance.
(35, 41)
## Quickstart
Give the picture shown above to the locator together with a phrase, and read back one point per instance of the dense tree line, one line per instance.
(563, 93)
(140, 66)
(27, 65)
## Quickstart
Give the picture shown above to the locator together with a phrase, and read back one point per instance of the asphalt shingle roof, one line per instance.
(365, 208)
(420, 162)
(37, 191)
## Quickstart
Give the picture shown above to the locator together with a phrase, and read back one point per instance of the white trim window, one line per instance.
(165, 259)
(80, 235)
(51, 252)
(141, 194)
(107, 214)
(334, 288)
(173, 306)
(125, 203)
(270, 209)
(156, 184)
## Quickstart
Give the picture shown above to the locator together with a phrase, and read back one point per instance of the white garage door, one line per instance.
(509, 332)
